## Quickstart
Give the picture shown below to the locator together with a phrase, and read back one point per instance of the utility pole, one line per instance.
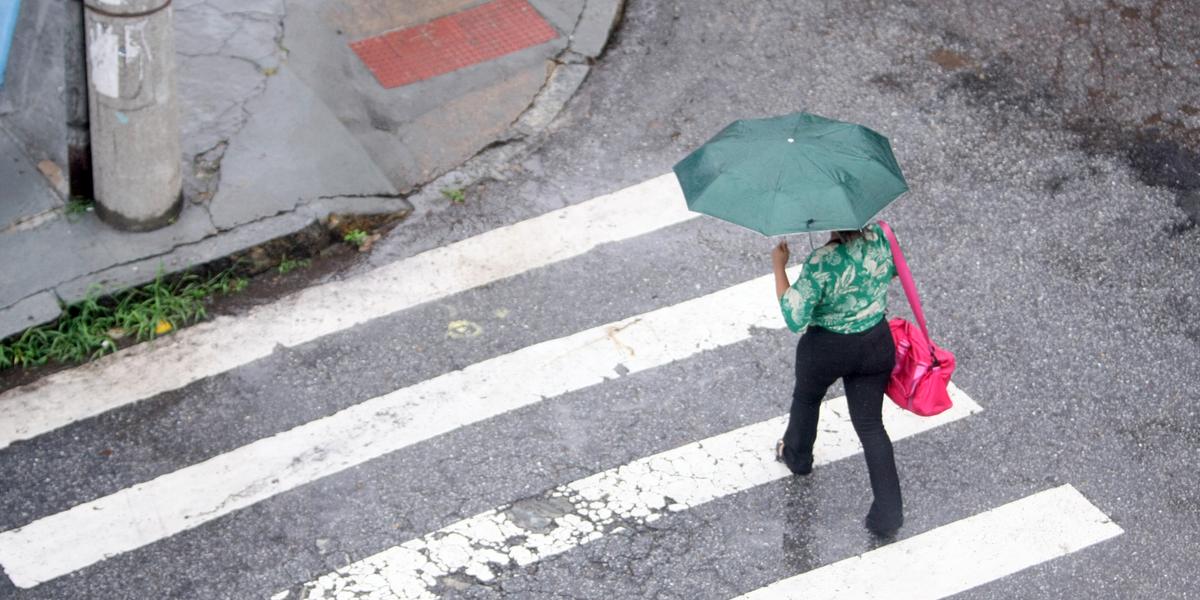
(134, 112)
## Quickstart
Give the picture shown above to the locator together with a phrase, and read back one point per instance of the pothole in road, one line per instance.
(538, 514)
(456, 582)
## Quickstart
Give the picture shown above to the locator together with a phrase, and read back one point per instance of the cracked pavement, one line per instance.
(631, 497)
(216, 83)
(283, 126)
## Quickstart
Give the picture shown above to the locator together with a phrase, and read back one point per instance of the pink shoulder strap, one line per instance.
(910, 287)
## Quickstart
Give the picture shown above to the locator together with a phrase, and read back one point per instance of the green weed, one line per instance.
(455, 195)
(93, 326)
(355, 237)
(76, 206)
(287, 265)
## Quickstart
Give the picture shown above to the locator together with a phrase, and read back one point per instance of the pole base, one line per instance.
(124, 223)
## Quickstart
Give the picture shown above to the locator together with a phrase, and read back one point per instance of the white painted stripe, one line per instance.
(141, 514)
(229, 342)
(631, 495)
(958, 556)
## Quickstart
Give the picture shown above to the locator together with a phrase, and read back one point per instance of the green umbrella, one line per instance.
(791, 174)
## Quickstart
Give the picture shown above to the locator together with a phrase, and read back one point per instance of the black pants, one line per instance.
(863, 361)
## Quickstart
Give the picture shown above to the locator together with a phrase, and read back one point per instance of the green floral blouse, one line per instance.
(843, 287)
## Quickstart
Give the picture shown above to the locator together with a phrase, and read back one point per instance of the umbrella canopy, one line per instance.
(791, 174)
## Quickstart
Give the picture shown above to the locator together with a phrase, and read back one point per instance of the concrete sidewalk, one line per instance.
(283, 124)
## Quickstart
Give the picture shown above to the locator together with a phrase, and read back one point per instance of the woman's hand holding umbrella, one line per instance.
(779, 259)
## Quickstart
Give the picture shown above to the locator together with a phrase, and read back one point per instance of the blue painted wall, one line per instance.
(8, 22)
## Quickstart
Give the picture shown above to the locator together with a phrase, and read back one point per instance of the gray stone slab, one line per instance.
(247, 6)
(454, 132)
(34, 310)
(23, 191)
(71, 247)
(62, 254)
(33, 83)
(229, 242)
(562, 14)
(416, 131)
(177, 259)
(561, 85)
(357, 205)
(598, 20)
(237, 30)
(292, 149)
(212, 98)
(225, 53)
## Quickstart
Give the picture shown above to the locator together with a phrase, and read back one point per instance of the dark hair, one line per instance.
(845, 236)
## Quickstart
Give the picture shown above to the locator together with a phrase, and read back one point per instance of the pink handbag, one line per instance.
(922, 373)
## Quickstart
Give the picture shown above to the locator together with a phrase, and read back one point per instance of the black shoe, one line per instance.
(881, 531)
(804, 469)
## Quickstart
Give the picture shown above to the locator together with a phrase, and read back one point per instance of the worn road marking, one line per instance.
(519, 534)
(959, 556)
(228, 342)
(141, 514)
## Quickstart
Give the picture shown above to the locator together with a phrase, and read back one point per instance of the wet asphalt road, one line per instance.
(1052, 154)
(1051, 227)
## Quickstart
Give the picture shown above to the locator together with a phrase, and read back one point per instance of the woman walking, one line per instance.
(838, 301)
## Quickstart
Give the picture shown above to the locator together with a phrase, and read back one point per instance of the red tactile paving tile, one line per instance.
(443, 45)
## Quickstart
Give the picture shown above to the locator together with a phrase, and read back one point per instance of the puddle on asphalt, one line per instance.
(1157, 148)
(1162, 162)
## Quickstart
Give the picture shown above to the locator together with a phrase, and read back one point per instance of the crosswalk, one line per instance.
(961, 555)
(208, 349)
(90, 538)
(628, 496)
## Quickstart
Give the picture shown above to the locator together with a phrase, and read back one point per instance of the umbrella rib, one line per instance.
(766, 218)
(725, 170)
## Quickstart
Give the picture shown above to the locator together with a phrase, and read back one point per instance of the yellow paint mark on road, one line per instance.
(463, 329)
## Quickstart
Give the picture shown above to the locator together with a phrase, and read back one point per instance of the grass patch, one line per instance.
(355, 237)
(455, 195)
(287, 265)
(94, 326)
(77, 206)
